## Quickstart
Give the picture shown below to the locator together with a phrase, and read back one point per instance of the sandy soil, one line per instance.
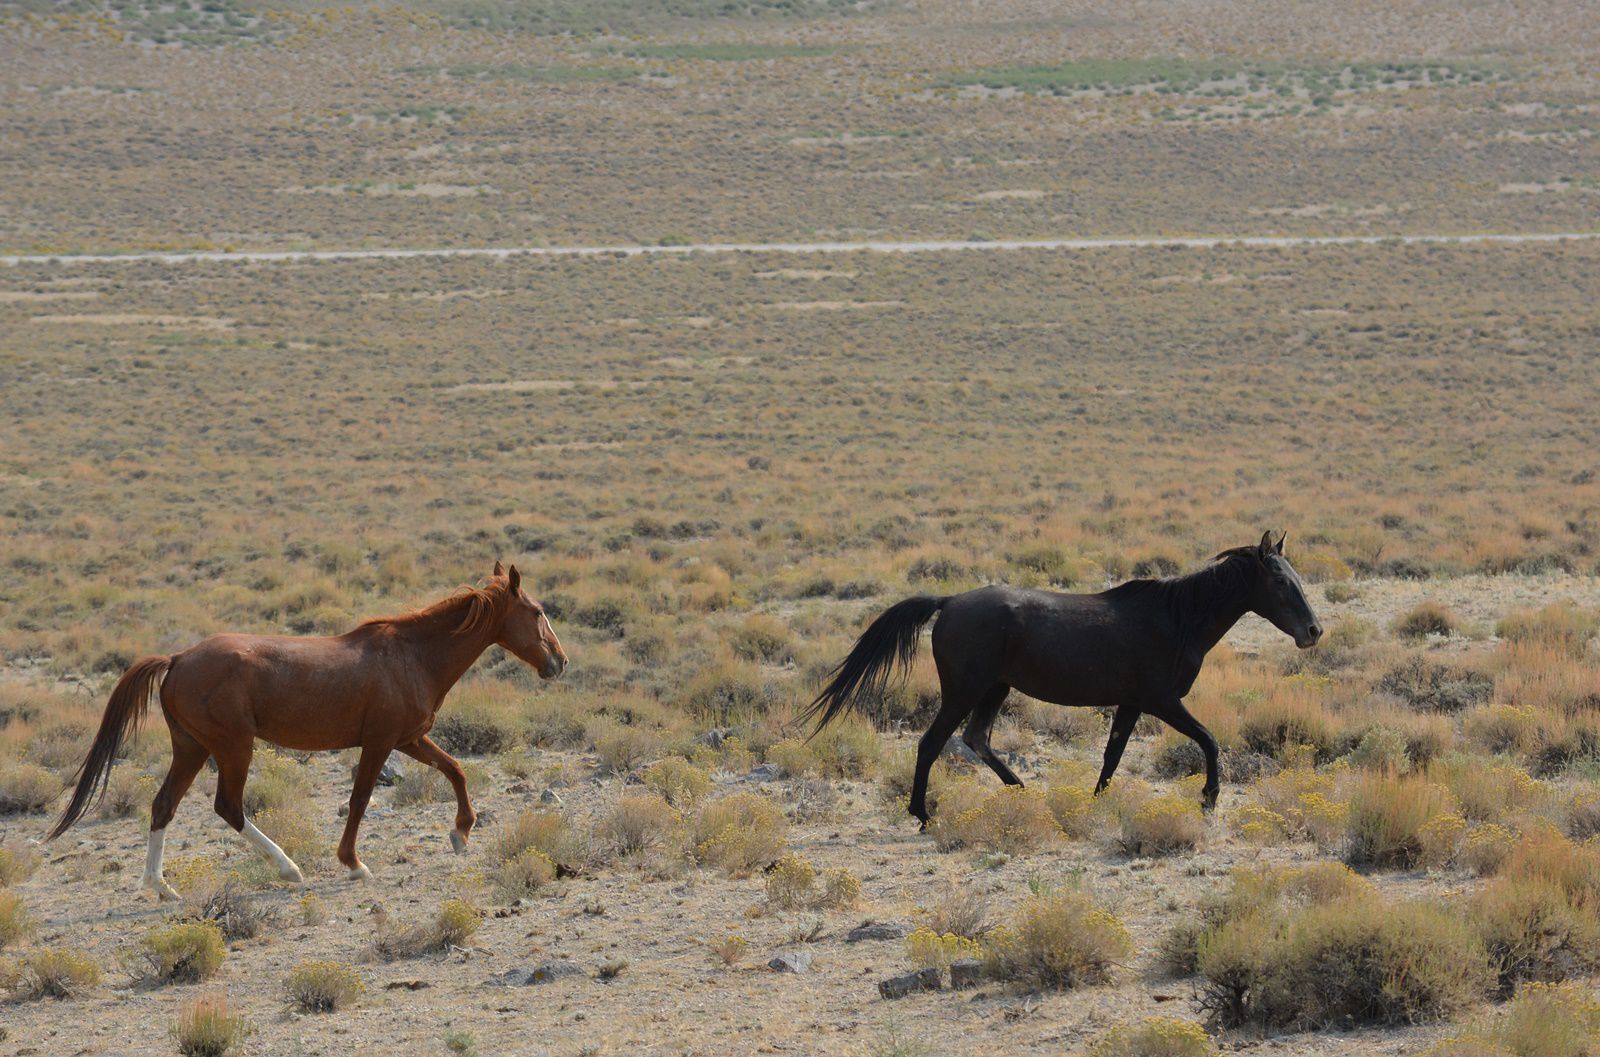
(674, 997)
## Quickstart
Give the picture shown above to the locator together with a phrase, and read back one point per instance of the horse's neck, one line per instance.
(445, 652)
(1215, 602)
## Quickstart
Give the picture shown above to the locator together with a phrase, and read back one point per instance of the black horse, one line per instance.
(1136, 648)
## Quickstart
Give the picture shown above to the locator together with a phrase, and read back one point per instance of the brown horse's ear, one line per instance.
(1281, 537)
(515, 579)
(499, 570)
(1265, 547)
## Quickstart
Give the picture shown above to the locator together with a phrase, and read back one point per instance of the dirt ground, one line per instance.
(674, 996)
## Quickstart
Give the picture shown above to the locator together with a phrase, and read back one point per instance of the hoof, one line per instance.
(292, 875)
(165, 893)
(360, 873)
(458, 841)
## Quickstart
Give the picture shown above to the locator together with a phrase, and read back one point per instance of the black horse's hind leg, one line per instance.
(952, 710)
(1121, 727)
(980, 724)
(1179, 719)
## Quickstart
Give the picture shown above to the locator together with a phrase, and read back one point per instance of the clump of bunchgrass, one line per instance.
(679, 782)
(55, 972)
(16, 924)
(323, 986)
(636, 824)
(738, 834)
(1059, 939)
(1424, 619)
(207, 1028)
(1387, 815)
(1155, 1037)
(186, 952)
(1163, 825)
(454, 926)
(1012, 819)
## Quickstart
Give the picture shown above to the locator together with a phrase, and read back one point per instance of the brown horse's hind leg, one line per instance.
(425, 750)
(232, 770)
(367, 770)
(188, 756)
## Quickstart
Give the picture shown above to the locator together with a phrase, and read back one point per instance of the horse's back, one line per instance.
(287, 689)
(1081, 649)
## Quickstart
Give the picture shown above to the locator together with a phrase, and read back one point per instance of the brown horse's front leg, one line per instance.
(371, 763)
(426, 751)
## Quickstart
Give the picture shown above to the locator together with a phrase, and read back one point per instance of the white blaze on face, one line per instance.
(263, 844)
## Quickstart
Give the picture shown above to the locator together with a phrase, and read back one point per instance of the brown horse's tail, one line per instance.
(123, 713)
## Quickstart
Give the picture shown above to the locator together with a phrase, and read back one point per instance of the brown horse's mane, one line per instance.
(480, 602)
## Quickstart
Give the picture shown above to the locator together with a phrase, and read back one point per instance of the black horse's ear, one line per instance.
(499, 570)
(1265, 546)
(515, 578)
(1279, 546)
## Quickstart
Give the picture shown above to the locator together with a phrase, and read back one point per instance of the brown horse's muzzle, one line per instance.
(554, 664)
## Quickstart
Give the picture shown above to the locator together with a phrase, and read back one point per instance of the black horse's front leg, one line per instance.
(1179, 719)
(1121, 727)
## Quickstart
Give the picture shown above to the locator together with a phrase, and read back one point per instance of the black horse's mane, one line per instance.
(1196, 590)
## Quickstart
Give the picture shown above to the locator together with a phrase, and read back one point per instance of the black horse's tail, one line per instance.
(890, 639)
(123, 712)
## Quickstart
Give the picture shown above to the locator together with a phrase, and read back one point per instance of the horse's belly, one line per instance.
(1092, 678)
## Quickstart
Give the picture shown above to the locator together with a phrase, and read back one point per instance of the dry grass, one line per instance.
(1057, 939)
(738, 834)
(184, 953)
(323, 987)
(207, 1028)
(739, 459)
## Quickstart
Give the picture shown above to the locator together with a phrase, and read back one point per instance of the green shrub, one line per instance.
(623, 747)
(790, 883)
(323, 987)
(479, 719)
(763, 638)
(524, 874)
(185, 953)
(1011, 819)
(1543, 1020)
(291, 829)
(1430, 686)
(1532, 931)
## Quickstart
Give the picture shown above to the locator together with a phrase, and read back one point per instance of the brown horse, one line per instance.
(378, 688)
